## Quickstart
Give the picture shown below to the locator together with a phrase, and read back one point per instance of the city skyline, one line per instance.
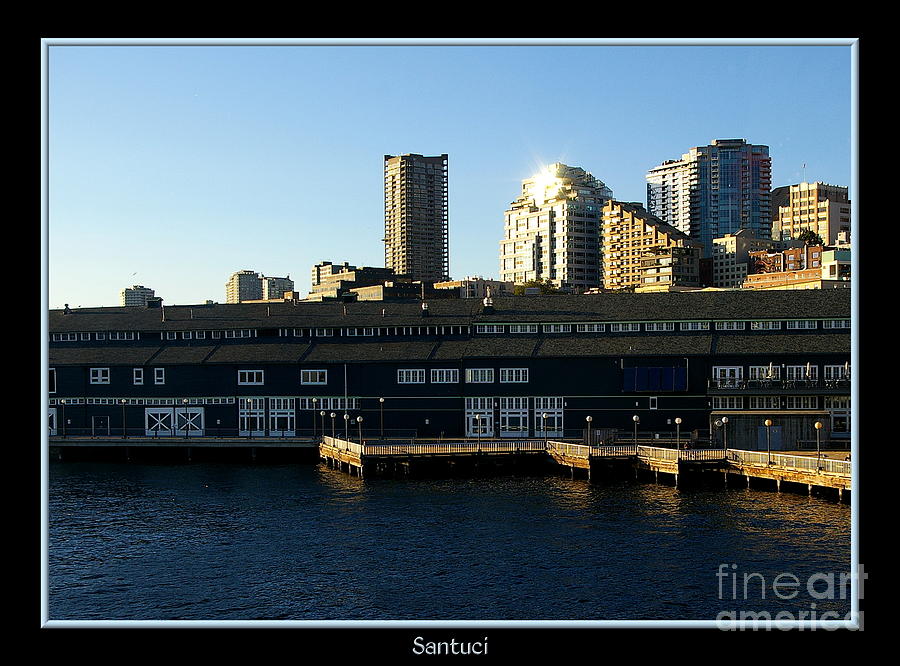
(174, 167)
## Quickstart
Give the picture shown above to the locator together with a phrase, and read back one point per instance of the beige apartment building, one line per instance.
(135, 295)
(819, 207)
(416, 239)
(731, 256)
(640, 251)
(552, 231)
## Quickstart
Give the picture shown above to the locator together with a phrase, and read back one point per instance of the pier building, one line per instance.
(555, 366)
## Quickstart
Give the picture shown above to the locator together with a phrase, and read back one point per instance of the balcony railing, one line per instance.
(778, 384)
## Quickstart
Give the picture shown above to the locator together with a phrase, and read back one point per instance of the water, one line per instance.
(304, 542)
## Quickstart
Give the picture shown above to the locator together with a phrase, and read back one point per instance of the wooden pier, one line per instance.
(684, 466)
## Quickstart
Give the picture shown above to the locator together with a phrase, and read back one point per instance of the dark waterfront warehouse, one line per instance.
(532, 366)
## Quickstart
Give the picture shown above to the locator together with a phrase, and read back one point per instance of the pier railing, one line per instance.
(803, 463)
(485, 446)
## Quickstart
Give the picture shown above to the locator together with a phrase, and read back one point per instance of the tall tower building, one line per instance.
(416, 242)
(552, 231)
(714, 190)
(824, 209)
(243, 286)
(135, 295)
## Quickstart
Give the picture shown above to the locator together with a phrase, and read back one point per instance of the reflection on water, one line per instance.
(226, 541)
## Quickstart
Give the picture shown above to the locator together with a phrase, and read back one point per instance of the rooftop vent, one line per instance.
(66, 309)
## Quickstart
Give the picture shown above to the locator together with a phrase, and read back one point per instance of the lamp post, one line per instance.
(62, 403)
(725, 433)
(322, 414)
(381, 416)
(677, 433)
(124, 431)
(818, 446)
(544, 418)
(332, 415)
(249, 422)
(768, 424)
(187, 423)
(589, 419)
(346, 426)
(359, 421)
(478, 429)
(314, 405)
(636, 419)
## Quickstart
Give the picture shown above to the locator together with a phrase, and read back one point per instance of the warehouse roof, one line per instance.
(680, 306)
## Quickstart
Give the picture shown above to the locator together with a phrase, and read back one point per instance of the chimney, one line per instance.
(66, 309)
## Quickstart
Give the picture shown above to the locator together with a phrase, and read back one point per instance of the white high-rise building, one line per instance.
(243, 286)
(135, 295)
(552, 231)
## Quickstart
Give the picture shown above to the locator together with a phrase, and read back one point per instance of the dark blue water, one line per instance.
(303, 542)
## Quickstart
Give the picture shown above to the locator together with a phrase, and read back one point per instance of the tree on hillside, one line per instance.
(810, 237)
(546, 287)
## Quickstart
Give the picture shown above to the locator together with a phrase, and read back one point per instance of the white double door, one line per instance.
(173, 421)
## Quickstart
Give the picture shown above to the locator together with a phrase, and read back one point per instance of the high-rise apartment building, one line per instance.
(552, 231)
(714, 190)
(243, 286)
(641, 251)
(274, 288)
(416, 241)
(135, 295)
(818, 207)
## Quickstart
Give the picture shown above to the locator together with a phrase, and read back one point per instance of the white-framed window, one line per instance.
(64, 337)
(514, 417)
(216, 335)
(728, 376)
(654, 401)
(122, 335)
(764, 402)
(479, 375)
(239, 333)
(489, 328)
(765, 325)
(513, 375)
(730, 325)
(51, 381)
(171, 335)
(832, 372)
(445, 376)
(631, 327)
(798, 372)
(557, 328)
(523, 328)
(250, 377)
(835, 323)
(552, 425)
(324, 332)
(187, 335)
(694, 326)
(200, 335)
(137, 375)
(837, 402)
(764, 372)
(801, 401)
(101, 336)
(590, 328)
(660, 326)
(414, 376)
(85, 336)
(159, 375)
(795, 324)
(314, 376)
(728, 402)
(99, 375)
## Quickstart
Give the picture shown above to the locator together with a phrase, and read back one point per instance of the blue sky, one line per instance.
(174, 166)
